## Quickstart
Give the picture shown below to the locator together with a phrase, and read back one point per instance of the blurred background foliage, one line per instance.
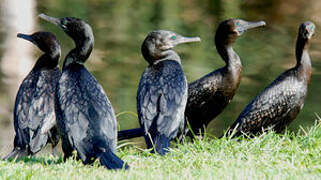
(121, 26)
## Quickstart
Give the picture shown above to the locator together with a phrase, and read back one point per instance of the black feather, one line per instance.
(280, 103)
(34, 114)
(161, 100)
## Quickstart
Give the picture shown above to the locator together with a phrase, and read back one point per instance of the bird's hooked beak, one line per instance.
(249, 25)
(53, 20)
(309, 35)
(27, 37)
(182, 39)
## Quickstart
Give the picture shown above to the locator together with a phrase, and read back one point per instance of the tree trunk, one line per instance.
(18, 16)
(16, 62)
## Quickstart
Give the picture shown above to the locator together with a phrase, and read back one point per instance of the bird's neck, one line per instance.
(47, 61)
(303, 59)
(224, 44)
(301, 52)
(80, 53)
(232, 60)
(168, 55)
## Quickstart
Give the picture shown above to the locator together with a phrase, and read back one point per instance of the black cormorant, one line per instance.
(162, 91)
(209, 95)
(279, 103)
(34, 113)
(86, 118)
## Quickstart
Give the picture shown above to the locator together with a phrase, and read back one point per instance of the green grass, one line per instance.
(270, 156)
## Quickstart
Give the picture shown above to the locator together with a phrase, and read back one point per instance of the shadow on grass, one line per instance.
(39, 160)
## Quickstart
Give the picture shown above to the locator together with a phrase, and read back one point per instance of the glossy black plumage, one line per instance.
(209, 95)
(34, 115)
(86, 118)
(162, 91)
(130, 133)
(279, 103)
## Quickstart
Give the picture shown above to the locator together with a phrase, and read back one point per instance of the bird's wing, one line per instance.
(21, 110)
(200, 90)
(34, 106)
(35, 100)
(87, 113)
(161, 98)
(267, 108)
(23, 101)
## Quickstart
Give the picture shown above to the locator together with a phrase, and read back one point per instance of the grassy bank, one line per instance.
(293, 156)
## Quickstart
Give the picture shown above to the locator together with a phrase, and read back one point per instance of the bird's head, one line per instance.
(307, 29)
(76, 28)
(45, 41)
(231, 29)
(160, 41)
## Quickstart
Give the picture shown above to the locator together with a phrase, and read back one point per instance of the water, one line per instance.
(121, 26)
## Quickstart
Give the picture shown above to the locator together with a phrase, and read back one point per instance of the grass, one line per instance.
(270, 156)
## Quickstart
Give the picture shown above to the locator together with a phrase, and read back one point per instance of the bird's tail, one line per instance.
(130, 133)
(38, 141)
(161, 144)
(111, 161)
(20, 146)
(105, 154)
(16, 153)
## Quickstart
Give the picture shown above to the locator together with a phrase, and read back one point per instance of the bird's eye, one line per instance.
(64, 22)
(173, 37)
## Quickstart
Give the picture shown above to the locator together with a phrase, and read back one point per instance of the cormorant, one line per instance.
(209, 95)
(34, 114)
(86, 119)
(162, 91)
(279, 103)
